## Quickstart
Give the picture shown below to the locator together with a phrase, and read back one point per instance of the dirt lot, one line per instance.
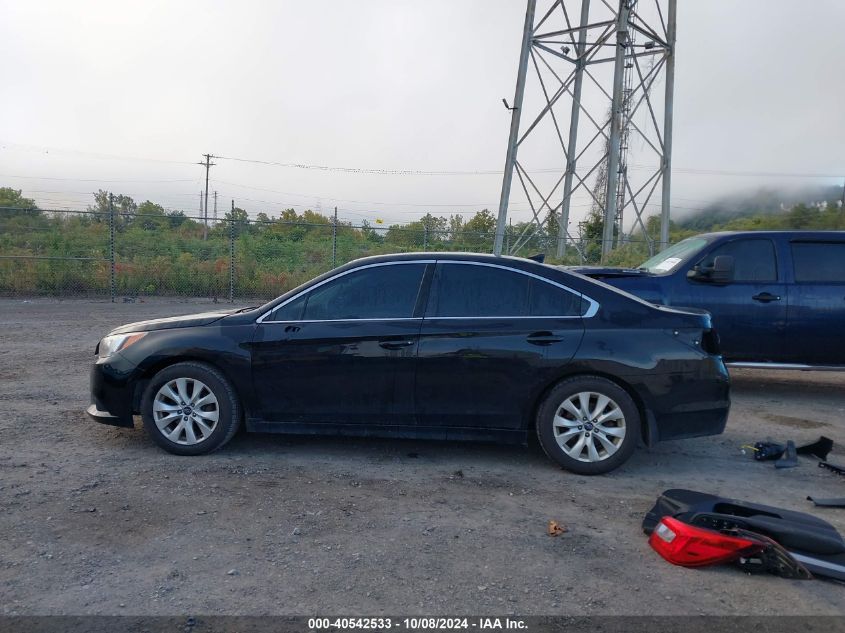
(97, 520)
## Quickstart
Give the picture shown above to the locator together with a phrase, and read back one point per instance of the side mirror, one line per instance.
(721, 271)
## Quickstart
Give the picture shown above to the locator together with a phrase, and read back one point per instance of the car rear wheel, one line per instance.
(589, 425)
(190, 409)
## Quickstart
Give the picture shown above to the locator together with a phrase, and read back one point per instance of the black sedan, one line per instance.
(425, 345)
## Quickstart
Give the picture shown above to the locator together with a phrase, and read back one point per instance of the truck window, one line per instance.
(669, 259)
(754, 259)
(819, 261)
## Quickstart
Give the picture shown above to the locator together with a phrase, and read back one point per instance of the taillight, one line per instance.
(710, 342)
(690, 546)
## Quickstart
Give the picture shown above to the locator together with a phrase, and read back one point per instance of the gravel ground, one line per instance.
(97, 520)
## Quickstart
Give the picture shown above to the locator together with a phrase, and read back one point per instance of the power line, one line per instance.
(95, 179)
(727, 172)
(404, 204)
(361, 170)
(376, 171)
(33, 148)
(498, 172)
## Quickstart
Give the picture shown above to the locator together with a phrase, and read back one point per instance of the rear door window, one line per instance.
(476, 290)
(822, 262)
(754, 259)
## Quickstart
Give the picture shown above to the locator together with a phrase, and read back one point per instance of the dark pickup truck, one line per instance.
(777, 297)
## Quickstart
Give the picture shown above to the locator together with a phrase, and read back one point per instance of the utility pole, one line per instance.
(111, 246)
(334, 239)
(215, 208)
(208, 165)
(232, 254)
(516, 111)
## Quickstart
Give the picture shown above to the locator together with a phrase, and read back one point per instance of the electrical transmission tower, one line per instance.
(590, 109)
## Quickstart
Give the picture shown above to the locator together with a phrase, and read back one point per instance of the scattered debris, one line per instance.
(790, 458)
(694, 528)
(828, 503)
(786, 456)
(555, 529)
(820, 448)
(764, 451)
(839, 470)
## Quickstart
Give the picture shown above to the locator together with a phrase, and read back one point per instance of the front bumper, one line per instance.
(113, 397)
(104, 417)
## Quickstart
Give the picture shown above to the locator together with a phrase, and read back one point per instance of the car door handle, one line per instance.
(292, 328)
(766, 297)
(543, 338)
(395, 344)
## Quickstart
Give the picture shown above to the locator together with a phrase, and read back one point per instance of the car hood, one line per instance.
(188, 320)
(606, 271)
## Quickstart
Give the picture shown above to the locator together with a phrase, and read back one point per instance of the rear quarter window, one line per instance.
(822, 262)
(477, 290)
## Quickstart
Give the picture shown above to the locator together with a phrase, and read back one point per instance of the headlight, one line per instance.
(116, 342)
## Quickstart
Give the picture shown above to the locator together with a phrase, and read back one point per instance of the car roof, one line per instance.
(775, 233)
(453, 256)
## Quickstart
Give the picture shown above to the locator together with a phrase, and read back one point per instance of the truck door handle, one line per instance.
(543, 338)
(395, 344)
(766, 297)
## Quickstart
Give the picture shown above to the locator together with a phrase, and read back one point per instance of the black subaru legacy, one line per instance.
(425, 345)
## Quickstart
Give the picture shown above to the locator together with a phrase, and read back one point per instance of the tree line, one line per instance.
(165, 252)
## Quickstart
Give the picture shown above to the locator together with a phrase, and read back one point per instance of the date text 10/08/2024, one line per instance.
(417, 623)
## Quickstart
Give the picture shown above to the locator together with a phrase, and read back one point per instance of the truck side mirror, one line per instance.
(721, 271)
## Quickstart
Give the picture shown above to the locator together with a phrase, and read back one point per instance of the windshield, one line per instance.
(667, 260)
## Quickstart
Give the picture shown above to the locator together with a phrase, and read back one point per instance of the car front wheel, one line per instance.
(190, 409)
(589, 425)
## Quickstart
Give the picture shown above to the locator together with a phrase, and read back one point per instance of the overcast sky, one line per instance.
(92, 88)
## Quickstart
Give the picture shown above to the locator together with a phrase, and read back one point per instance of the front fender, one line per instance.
(225, 347)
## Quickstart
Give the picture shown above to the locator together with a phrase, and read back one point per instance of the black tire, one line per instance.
(554, 401)
(228, 407)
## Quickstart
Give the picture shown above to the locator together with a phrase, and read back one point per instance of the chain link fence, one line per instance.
(121, 255)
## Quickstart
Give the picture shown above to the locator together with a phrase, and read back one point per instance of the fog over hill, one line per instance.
(765, 201)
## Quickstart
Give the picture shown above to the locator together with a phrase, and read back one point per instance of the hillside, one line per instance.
(768, 208)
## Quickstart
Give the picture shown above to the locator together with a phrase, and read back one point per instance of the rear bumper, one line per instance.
(112, 392)
(691, 404)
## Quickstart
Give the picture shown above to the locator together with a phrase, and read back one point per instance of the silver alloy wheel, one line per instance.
(186, 411)
(589, 426)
